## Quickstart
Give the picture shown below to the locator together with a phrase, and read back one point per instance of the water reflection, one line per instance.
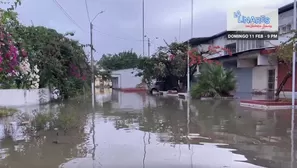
(261, 138)
(46, 148)
(292, 138)
(137, 130)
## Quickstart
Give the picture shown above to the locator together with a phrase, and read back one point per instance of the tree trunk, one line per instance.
(282, 84)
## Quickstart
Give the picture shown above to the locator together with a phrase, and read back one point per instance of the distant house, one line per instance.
(100, 81)
(126, 80)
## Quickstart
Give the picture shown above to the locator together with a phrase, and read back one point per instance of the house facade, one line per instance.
(255, 69)
(126, 80)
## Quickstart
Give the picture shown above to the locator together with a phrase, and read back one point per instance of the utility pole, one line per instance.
(179, 31)
(148, 47)
(143, 36)
(188, 56)
(92, 59)
(92, 64)
(293, 89)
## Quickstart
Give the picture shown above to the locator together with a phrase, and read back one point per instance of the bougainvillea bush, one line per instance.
(9, 59)
(15, 69)
(40, 57)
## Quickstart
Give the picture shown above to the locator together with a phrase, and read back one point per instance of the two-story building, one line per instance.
(255, 70)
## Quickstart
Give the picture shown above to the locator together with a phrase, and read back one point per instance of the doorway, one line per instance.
(115, 82)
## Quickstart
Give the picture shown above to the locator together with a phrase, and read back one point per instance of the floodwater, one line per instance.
(140, 131)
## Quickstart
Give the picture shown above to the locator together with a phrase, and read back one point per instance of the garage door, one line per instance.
(244, 80)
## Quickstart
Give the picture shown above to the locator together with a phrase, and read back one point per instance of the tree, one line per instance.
(284, 53)
(122, 60)
(169, 63)
(214, 80)
(104, 74)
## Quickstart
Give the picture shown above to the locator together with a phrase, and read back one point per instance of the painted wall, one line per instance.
(21, 97)
(260, 78)
(282, 71)
(127, 78)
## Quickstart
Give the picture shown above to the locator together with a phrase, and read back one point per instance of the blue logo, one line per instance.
(251, 19)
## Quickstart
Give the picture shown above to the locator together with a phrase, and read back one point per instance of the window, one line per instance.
(271, 79)
(230, 47)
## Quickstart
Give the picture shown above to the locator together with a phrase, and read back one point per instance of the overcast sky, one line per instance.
(120, 26)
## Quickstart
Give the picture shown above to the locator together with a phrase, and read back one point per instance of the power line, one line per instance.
(67, 15)
(87, 10)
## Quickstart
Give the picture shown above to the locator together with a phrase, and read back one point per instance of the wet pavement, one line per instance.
(139, 131)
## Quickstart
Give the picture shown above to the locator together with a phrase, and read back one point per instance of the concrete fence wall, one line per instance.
(21, 97)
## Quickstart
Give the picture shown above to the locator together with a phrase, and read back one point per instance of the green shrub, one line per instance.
(41, 120)
(4, 112)
(198, 91)
(214, 80)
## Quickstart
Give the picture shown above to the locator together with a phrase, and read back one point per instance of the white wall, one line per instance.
(21, 97)
(127, 78)
(260, 78)
(266, 60)
(245, 63)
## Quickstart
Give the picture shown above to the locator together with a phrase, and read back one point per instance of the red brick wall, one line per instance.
(281, 73)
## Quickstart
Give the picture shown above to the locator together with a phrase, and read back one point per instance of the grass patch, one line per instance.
(4, 112)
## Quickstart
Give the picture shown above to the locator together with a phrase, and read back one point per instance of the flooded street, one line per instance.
(139, 131)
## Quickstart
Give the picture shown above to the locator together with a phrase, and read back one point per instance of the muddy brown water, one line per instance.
(140, 131)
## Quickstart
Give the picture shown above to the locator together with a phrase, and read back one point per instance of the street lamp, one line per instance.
(92, 59)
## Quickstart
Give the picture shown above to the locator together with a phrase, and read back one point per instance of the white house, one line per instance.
(125, 79)
(255, 71)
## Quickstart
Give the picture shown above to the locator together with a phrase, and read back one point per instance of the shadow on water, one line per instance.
(130, 130)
